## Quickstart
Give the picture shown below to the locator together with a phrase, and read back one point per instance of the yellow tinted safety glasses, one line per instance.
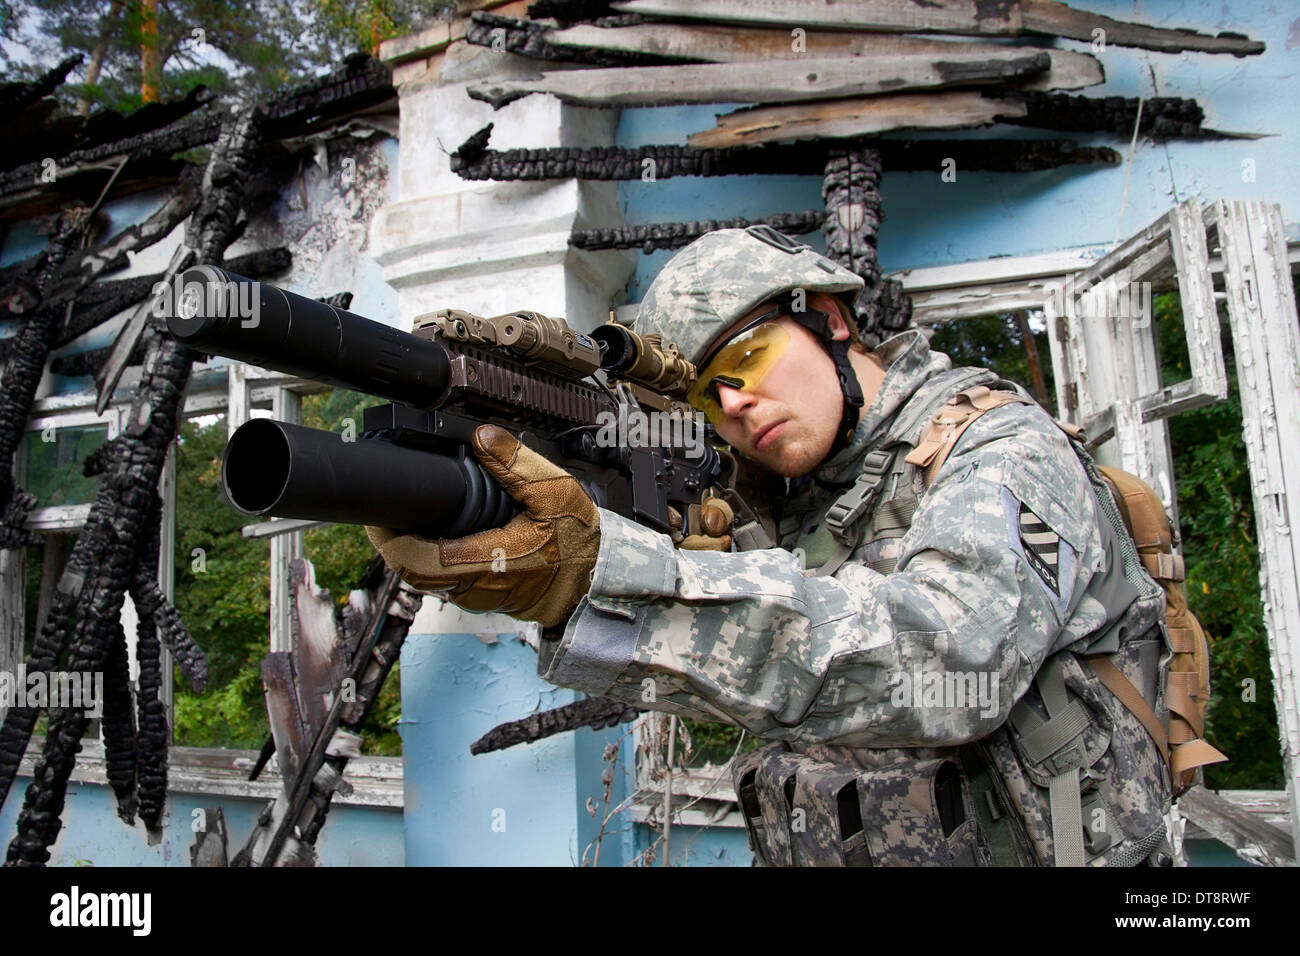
(743, 362)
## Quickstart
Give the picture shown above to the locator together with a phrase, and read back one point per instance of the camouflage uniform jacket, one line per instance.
(1004, 564)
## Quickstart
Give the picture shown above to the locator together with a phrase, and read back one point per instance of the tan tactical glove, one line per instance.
(536, 568)
(714, 521)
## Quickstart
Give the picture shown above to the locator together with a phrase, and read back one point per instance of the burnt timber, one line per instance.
(473, 160)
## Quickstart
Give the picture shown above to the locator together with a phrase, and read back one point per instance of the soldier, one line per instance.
(914, 648)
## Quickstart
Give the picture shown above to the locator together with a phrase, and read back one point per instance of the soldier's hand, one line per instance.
(715, 522)
(536, 568)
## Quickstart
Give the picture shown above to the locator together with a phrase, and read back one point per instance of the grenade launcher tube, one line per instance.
(275, 468)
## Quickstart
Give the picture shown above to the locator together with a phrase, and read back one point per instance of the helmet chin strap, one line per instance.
(818, 323)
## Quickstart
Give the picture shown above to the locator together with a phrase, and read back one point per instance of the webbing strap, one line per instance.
(1182, 639)
(1051, 735)
(1063, 790)
(853, 504)
(951, 420)
(1067, 818)
(1188, 751)
(1132, 698)
(1194, 753)
(893, 518)
(1182, 690)
(1164, 567)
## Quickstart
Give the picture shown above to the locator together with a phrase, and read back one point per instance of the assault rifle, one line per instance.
(583, 401)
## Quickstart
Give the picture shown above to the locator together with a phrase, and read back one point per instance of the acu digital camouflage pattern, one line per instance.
(815, 662)
(718, 278)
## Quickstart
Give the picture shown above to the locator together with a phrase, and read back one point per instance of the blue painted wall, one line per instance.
(93, 835)
(526, 805)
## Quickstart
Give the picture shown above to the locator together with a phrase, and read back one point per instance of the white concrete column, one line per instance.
(491, 247)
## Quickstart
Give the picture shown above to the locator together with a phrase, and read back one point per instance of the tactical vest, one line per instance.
(1080, 773)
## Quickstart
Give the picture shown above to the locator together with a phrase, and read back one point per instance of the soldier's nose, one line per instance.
(732, 400)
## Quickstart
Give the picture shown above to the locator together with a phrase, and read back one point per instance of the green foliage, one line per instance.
(995, 342)
(222, 592)
(364, 24)
(238, 48)
(710, 742)
(225, 598)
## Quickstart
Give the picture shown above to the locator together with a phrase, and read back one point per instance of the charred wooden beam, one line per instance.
(991, 155)
(25, 363)
(48, 172)
(528, 38)
(119, 728)
(571, 11)
(854, 118)
(151, 731)
(83, 269)
(674, 235)
(708, 43)
(116, 545)
(361, 83)
(1163, 117)
(594, 712)
(851, 190)
(16, 97)
(956, 109)
(72, 134)
(475, 161)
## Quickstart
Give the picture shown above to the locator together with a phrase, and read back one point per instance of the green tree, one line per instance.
(239, 48)
(223, 590)
(996, 342)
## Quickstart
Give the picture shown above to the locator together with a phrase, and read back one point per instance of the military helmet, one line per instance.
(721, 276)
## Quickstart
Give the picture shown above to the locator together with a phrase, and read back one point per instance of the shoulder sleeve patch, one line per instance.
(1049, 556)
(1041, 546)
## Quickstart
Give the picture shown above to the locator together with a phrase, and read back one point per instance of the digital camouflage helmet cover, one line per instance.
(718, 279)
(721, 276)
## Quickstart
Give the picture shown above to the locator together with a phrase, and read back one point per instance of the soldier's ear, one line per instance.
(834, 310)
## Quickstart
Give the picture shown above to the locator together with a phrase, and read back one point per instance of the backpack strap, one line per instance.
(956, 415)
(1058, 744)
(846, 519)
